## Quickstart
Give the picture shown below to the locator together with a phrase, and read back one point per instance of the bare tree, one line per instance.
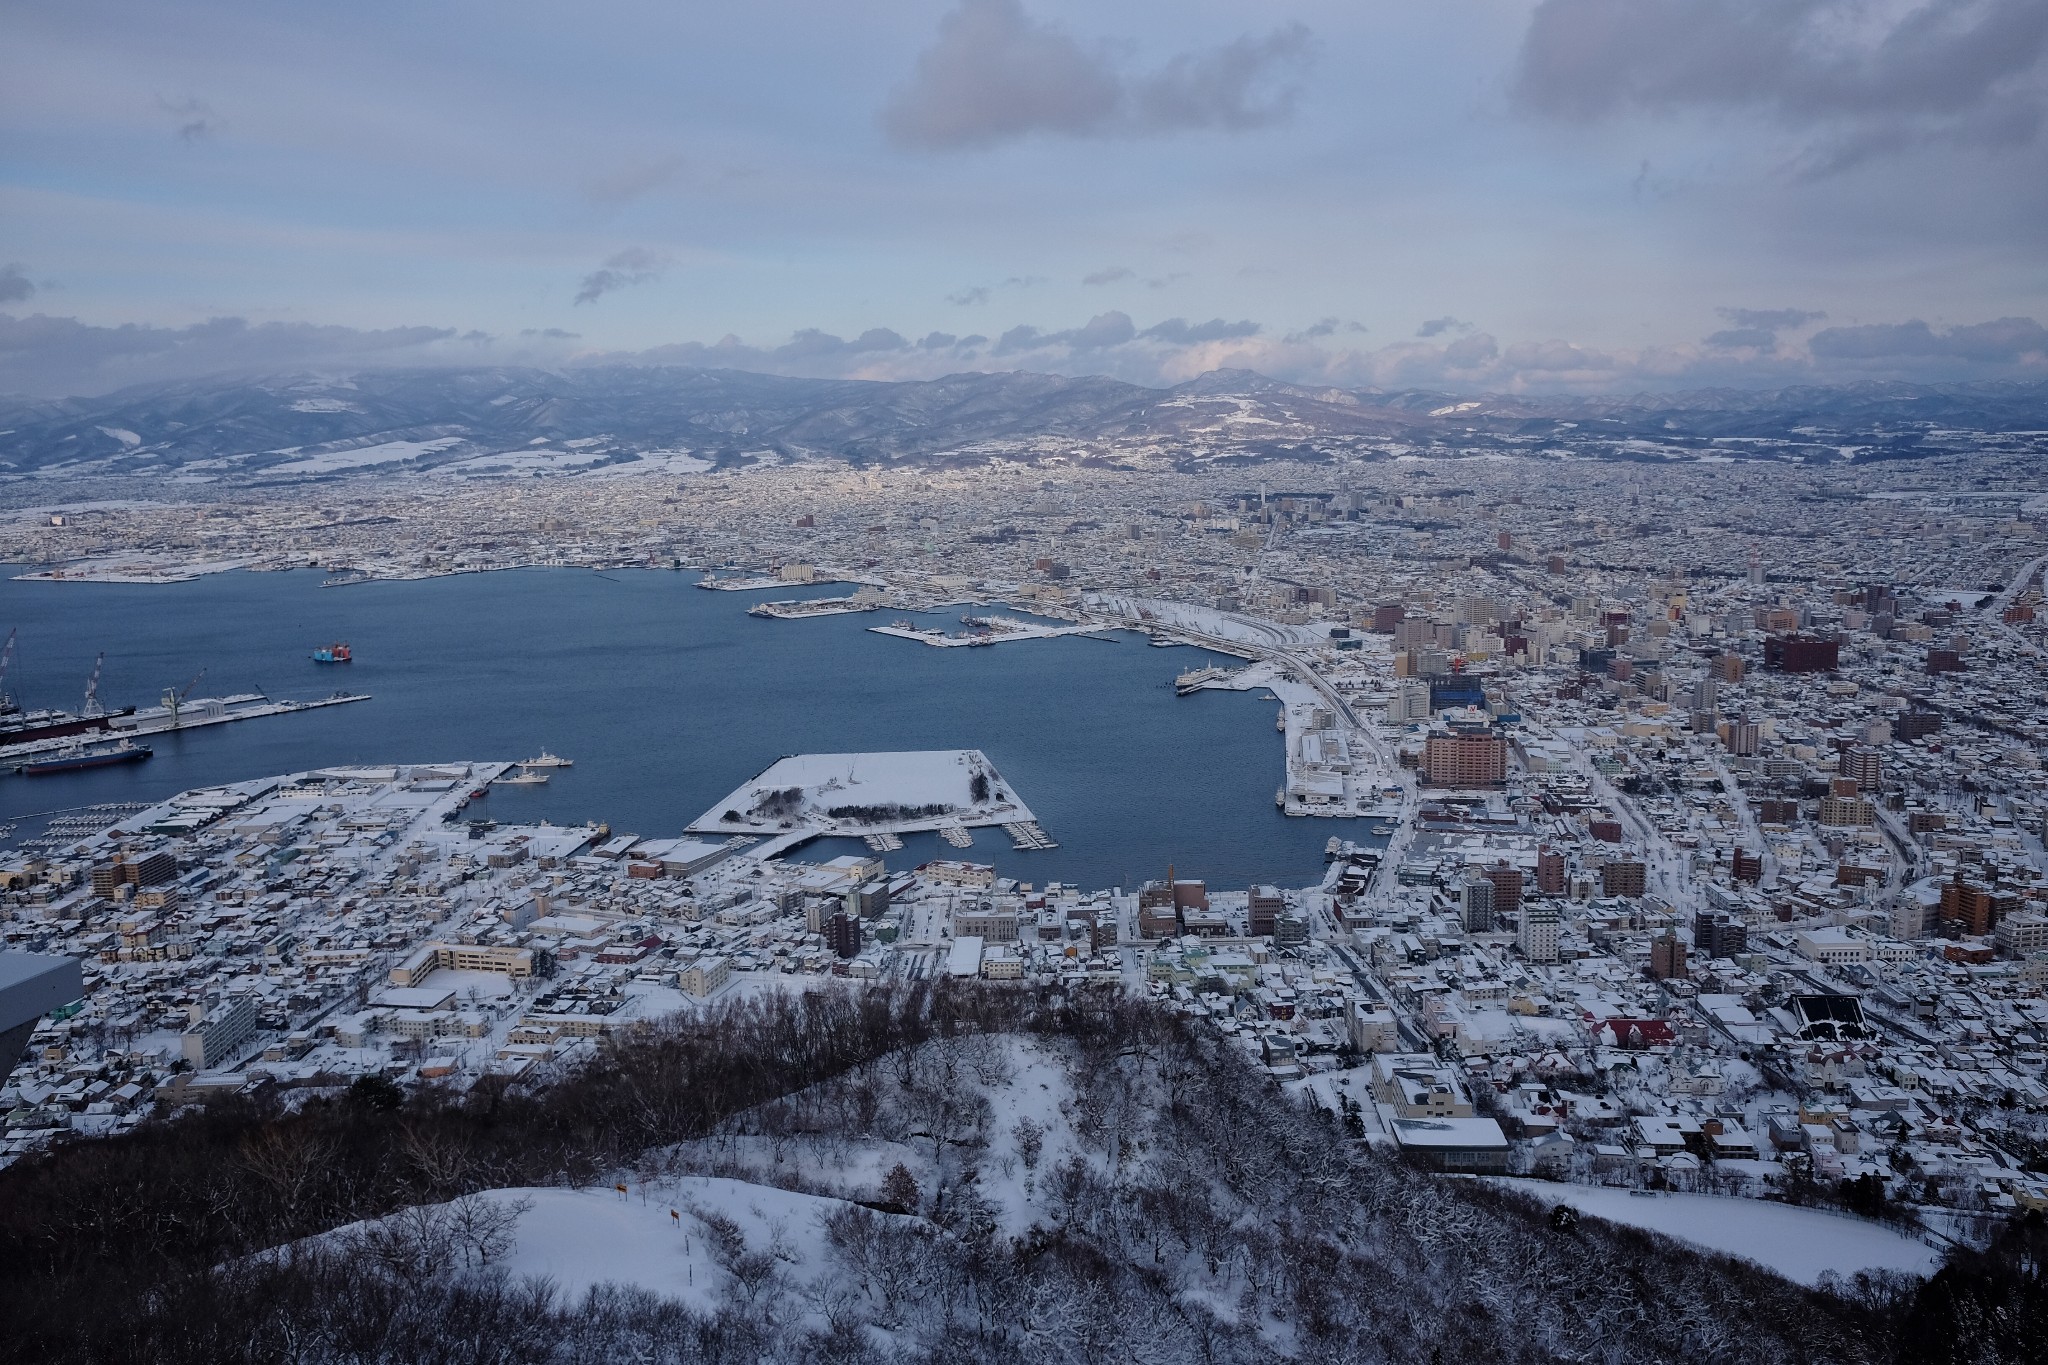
(484, 1229)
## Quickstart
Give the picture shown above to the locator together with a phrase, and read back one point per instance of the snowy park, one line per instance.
(874, 793)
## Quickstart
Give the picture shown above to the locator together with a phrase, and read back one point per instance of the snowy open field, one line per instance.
(800, 793)
(1799, 1244)
(584, 1238)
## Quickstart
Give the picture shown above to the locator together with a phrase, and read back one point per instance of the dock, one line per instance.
(884, 843)
(191, 715)
(956, 835)
(989, 630)
(817, 606)
(1026, 835)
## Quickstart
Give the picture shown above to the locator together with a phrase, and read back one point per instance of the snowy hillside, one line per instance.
(919, 1174)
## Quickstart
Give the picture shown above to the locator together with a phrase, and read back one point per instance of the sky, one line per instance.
(1468, 195)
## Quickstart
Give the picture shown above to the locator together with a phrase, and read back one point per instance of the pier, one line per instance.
(1027, 836)
(875, 797)
(988, 630)
(191, 715)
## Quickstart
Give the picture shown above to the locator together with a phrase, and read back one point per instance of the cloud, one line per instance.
(1180, 333)
(194, 118)
(2003, 341)
(1247, 83)
(995, 74)
(53, 355)
(1438, 326)
(1470, 353)
(1103, 330)
(1869, 79)
(1171, 277)
(1324, 327)
(1758, 328)
(629, 182)
(1761, 338)
(1770, 319)
(15, 284)
(1108, 275)
(812, 344)
(634, 265)
(980, 293)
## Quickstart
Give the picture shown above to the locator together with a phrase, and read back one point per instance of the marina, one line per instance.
(1025, 834)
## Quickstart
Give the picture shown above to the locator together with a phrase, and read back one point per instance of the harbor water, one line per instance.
(667, 697)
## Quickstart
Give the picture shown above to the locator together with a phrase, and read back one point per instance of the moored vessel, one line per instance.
(75, 760)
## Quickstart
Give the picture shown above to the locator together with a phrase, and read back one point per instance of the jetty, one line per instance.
(177, 714)
(1026, 835)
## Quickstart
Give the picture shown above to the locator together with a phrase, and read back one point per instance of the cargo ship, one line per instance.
(26, 727)
(74, 760)
(332, 654)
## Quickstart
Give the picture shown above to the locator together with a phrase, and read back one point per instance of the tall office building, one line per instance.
(1478, 905)
(1540, 929)
(1507, 888)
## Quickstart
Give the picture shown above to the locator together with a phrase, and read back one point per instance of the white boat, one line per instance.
(548, 760)
(1382, 831)
(521, 780)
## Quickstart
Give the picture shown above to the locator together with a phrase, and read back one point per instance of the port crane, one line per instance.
(93, 709)
(6, 659)
(174, 700)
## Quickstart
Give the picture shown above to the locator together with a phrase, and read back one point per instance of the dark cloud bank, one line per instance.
(1857, 80)
(45, 356)
(994, 73)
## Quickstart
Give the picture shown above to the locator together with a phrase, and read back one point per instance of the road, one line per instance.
(1751, 830)
(1666, 868)
(1277, 645)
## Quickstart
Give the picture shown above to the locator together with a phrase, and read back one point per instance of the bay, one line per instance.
(667, 697)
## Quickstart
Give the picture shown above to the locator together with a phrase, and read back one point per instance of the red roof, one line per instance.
(1638, 1032)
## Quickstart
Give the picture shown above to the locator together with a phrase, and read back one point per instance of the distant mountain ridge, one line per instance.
(310, 425)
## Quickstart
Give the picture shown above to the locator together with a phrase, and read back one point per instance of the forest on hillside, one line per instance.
(1062, 1178)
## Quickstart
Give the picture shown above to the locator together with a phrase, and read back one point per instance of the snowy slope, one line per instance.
(583, 1238)
(1800, 1244)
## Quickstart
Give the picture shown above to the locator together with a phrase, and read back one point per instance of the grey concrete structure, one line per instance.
(31, 985)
